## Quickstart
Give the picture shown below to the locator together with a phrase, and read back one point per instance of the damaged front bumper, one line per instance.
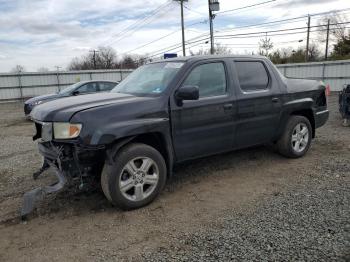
(52, 159)
(31, 197)
(71, 163)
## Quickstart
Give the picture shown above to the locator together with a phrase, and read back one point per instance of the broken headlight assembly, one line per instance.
(62, 130)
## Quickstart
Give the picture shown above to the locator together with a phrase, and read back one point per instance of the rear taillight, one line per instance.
(328, 90)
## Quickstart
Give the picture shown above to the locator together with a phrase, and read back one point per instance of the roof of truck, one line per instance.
(204, 57)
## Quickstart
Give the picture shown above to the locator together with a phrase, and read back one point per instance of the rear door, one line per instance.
(258, 102)
(205, 126)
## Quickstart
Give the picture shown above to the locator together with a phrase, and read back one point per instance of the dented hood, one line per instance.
(62, 110)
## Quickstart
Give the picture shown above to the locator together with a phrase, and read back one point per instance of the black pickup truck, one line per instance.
(172, 111)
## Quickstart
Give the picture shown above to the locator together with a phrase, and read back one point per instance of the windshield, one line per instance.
(69, 89)
(151, 79)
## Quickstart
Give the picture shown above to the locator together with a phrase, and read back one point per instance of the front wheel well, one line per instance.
(154, 139)
(309, 115)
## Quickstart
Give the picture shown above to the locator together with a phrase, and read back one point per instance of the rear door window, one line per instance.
(252, 75)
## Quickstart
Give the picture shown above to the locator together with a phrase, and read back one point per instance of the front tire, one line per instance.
(296, 139)
(135, 178)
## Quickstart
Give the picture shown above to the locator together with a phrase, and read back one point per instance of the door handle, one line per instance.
(275, 100)
(228, 106)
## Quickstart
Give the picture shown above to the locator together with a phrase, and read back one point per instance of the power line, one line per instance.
(284, 20)
(270, 35)
(204, 37)
(144, 18)
(193, 11)
(199, 42)
(140, 25)
(245, 7)
(278, 43)
(169, 48)
(158, 39)
(283, 30)
(141, 22)
(176, 47)
(277, 21)
(248, 35)
(241, 27)
(263, 24)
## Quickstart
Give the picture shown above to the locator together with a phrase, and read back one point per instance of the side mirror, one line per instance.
(75, 93)
(187, 93)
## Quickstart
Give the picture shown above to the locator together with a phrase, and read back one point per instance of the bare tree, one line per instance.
(290, 55)
(265, 45)
(222, 50)
(337, 27)
(127, 62)
(105, 58)
(18, 69)
(200, 52)
(219, 49)
(83, 63)
(314, 52)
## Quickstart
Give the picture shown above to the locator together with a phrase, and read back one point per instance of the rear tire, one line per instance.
(135, 178)
(296, 138)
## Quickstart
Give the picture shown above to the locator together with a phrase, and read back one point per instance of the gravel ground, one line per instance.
(249, 205)
(308, 223)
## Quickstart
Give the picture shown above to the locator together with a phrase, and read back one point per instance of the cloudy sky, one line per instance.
(49, 33)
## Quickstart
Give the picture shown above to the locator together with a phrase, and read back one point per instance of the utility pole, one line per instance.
(20, 82)
(182, 26)
(211, 29)
(121, 70)
(327, 41)
(213, 5)
(58, 79)
(183, 29)
(307, 39)
(94, 57)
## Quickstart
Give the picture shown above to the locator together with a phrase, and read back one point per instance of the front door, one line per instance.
(205, 126)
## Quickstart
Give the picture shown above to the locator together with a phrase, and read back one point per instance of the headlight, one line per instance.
(66, 130)
(37, 103)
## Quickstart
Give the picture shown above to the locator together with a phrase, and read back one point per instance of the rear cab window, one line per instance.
(252, 76)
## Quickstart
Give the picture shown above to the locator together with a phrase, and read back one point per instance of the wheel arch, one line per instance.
(286, 114)
(307, 113)
(156, 140)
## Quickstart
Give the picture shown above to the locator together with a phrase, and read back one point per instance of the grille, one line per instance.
(27, 109)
